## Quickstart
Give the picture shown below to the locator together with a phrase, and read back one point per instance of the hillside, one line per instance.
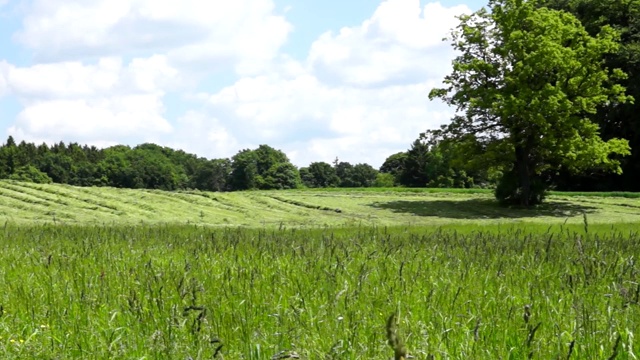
(27, 202)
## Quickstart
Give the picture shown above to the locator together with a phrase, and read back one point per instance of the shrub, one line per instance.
(30, 173)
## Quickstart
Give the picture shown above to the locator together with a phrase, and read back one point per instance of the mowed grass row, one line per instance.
(25, 203)
(179, 292)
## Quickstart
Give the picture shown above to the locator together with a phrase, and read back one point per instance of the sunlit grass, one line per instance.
(461, 292)
(27, 203)
(104, 273)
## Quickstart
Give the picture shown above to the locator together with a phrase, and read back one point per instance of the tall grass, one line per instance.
(178, 292)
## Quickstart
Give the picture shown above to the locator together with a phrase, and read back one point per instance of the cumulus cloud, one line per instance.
(401, 43)
(242, 33)
(93, 119)
(360, 94)
(3, 80)
(103, 67)
(316, 122)
(107, 100)
(199, 133)
(75, 79)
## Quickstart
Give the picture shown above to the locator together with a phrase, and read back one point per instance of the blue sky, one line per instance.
(317, 79)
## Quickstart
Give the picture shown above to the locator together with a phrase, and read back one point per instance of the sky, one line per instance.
(315, 79)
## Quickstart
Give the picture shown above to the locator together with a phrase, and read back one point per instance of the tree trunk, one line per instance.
(524, 174)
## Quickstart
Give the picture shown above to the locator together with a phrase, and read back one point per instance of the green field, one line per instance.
(98, 273)
(35, 203)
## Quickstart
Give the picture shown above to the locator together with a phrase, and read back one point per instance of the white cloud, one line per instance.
(100, 81)
(315, 122)
(400, 43)
(203, 135)
(4, 66)
(243, 33)
(95, 119)
(361, 94)
(74, 79)
(97, 102)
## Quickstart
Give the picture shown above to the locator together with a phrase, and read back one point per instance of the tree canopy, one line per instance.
(263, 168)
(524, 85)
(432, 163)
(151, 166)
(615, 120)
(319, 175)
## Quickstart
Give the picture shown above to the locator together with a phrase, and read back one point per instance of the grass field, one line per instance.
(34, 203)
(100, 273)
(179, 292)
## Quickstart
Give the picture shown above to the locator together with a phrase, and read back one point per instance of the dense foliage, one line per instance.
(263, 168)
(524, 86)
(145, 166)
(441, 164)
(615, 120)
(149, 166)
(427, 163)
(319, 175)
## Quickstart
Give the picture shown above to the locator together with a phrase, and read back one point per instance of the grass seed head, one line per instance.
(400, 351)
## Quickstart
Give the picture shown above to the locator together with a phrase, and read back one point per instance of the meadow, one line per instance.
(28, 203)
(466, 279)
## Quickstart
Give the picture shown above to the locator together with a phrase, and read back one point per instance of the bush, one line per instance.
(384, 180)
(30, 173)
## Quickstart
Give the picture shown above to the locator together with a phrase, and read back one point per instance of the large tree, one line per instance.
(394, 165)
(364, 175)
(430, 163)
(320, 175)
(615, 120)
(524, 84)
(212, 175)
(263, 168)
(415, 172)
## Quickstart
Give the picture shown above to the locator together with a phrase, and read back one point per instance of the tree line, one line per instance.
(151, 166)
(147, 166)
(426, 163)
